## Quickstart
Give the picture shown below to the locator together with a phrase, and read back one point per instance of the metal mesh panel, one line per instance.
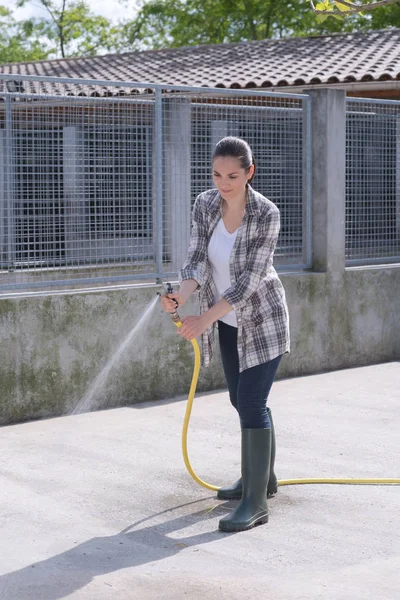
(77, 177)
(276, 129)
(98, 179)
(372, 181)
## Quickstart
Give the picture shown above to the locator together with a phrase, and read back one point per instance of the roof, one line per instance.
(335, 58)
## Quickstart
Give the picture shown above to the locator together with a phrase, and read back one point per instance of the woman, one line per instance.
(234, 234)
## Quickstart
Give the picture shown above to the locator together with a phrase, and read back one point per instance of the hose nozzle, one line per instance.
(168, 289)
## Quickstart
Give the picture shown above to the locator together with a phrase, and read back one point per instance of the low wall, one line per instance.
(53, 347)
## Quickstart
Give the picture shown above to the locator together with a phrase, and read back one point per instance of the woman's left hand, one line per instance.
(192, 327)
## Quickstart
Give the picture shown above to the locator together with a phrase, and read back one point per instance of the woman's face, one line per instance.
(229, 177)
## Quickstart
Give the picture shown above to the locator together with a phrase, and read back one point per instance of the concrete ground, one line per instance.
(99, 506)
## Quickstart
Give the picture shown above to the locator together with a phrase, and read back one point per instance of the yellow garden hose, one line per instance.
(282, 482)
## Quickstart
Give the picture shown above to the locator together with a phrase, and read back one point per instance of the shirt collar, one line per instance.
(251, 208)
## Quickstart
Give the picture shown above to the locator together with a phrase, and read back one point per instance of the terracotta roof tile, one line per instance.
(336, 58)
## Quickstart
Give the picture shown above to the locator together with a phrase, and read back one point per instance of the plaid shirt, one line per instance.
(256, 292)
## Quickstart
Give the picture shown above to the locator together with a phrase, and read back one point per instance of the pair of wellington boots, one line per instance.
(234, 492)
(252, 509)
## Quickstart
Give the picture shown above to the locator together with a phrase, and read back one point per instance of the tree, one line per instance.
(73, 30)
(19, 41)
(340, 9)
(173, 23)
(385, 16)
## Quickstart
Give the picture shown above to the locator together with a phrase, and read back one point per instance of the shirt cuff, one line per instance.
(190, 273)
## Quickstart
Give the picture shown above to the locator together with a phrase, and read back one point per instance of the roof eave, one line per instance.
(349, 86)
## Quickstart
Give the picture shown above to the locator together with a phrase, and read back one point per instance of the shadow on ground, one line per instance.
(61, 575)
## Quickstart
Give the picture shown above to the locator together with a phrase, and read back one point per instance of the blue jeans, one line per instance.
(249, 390)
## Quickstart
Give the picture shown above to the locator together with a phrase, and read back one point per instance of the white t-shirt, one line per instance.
(219, 252)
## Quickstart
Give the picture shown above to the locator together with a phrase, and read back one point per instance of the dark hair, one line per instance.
(236, 148)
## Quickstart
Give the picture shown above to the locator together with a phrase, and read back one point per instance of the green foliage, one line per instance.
(329, 8)
(386, 16)
(73, 30)
(173, 23)
(19, 41)
(343, 9)
(86, 34)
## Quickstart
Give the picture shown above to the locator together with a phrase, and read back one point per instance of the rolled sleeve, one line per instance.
(195, 264)
(258, 261)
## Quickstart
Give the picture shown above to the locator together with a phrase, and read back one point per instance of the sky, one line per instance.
(112, 9)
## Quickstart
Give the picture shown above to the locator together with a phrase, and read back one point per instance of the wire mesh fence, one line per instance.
(98, 179)
(372, 181)
(276, 129)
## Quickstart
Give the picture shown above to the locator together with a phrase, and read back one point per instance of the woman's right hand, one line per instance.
(168, 302)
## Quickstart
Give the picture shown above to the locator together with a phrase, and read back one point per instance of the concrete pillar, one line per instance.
(328, 179)
(3, 207)
(177, 214)
(75, 208)
(398, 179)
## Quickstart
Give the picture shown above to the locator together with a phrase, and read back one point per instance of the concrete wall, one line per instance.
(53, 346)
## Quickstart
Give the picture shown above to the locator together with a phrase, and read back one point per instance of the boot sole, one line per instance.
(228, 527)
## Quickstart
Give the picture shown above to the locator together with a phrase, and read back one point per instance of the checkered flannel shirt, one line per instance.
(256, 292)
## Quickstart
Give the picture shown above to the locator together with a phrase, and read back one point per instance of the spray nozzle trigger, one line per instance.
(168, 289)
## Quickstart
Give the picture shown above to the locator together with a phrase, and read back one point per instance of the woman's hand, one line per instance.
(193, 327)
(168, 302)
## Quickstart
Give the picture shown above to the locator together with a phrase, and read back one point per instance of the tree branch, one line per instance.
(268, 21)
(47, 7)
(61, 29)
(252, 24)
(352, 9)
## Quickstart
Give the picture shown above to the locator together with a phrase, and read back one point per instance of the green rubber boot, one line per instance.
(234, 492)
(273, 480)
(252, 509)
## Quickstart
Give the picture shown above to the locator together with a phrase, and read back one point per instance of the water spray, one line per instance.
(347, 481)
